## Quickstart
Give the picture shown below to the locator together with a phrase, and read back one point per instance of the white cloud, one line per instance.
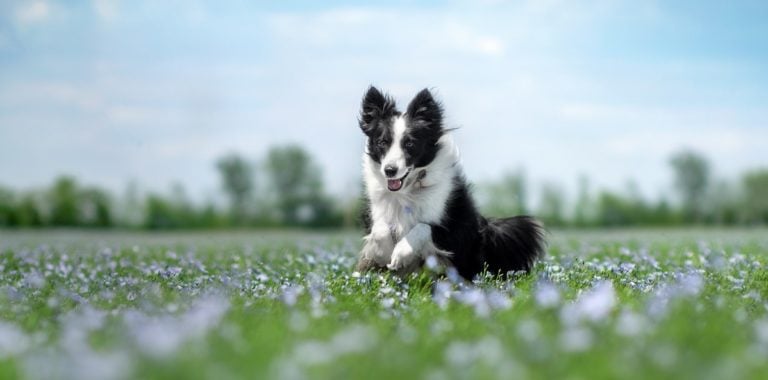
(106, 9)
(459, 36)
(51, 93)
(33, 12)
(490, 45)
(387, 30)
(662, 142)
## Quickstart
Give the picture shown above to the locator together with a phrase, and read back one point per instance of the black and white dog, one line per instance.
(419, 203)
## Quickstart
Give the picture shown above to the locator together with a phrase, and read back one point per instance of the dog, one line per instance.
(419, 205)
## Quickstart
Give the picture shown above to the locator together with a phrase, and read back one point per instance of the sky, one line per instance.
(155, 91)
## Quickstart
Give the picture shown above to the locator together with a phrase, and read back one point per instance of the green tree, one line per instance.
(159, 213)
(237, 181)
(722, 203)
(209, 217)
(583, 213)
(664, 214)
(691, 172)
(614, 210)
(639, 212)
(756, 196)
(172, 212)
(297, 188)
(130, 208)
(28, 211)
(63, 198)
(95, 208)
(8, 215)
(507, 196)
(552, 205)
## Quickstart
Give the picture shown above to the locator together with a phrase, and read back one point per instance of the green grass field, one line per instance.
(603, 304)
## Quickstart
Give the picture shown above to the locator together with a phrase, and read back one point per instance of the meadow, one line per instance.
(629, 304)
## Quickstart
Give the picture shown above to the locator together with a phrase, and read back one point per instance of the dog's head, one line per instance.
(401, 143)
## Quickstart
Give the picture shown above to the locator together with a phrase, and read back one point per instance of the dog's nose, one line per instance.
(390, 170)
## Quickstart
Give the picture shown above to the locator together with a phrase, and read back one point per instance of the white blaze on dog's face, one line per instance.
(393, 166)
(398, 143)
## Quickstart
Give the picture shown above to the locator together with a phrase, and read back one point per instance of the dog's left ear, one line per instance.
(425, 111)
(375, 107)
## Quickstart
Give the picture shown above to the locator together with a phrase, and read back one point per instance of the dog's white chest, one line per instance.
(399, 216)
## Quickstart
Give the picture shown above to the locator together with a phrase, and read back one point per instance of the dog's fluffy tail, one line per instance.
(512, 244)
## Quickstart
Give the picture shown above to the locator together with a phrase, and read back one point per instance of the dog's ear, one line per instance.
(376, 106)
(424, 111)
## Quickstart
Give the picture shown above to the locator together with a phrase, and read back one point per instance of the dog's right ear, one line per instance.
(425, 111)
(376, 106)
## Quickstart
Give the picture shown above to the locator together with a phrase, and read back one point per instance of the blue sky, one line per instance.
(113, 91)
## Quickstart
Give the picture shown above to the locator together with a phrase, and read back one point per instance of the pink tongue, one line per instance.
(394, 184)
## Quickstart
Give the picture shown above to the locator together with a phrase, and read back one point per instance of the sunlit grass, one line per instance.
(618, 304)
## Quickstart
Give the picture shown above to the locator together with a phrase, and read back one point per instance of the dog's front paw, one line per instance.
(365, 264)
(375, 253)
(403, 257)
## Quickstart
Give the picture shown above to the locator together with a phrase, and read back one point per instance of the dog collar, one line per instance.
(422, 174)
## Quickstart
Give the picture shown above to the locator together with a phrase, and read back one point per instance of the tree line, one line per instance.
(285, 189)
(698, 199)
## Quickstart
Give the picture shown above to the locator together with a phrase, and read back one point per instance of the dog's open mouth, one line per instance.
(396, 184)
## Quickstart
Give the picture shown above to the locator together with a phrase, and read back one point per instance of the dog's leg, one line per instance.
(407, 251)
(441, 256)
(365, 264)
(377, 249)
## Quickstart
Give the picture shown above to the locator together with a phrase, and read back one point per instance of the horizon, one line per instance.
(113, 92)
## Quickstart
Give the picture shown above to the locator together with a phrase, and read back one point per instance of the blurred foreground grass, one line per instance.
(602, 304)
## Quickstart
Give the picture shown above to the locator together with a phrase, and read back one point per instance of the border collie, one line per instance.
(419, 203)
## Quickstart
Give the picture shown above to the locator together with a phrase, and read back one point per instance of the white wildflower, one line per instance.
(546, 294)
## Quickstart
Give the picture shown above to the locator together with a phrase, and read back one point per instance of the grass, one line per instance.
(603, 304)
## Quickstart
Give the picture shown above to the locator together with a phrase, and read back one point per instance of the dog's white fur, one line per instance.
(395, 156)
(400, 232)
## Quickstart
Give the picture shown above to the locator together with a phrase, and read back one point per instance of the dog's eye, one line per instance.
(409, 144)
(381, 143)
